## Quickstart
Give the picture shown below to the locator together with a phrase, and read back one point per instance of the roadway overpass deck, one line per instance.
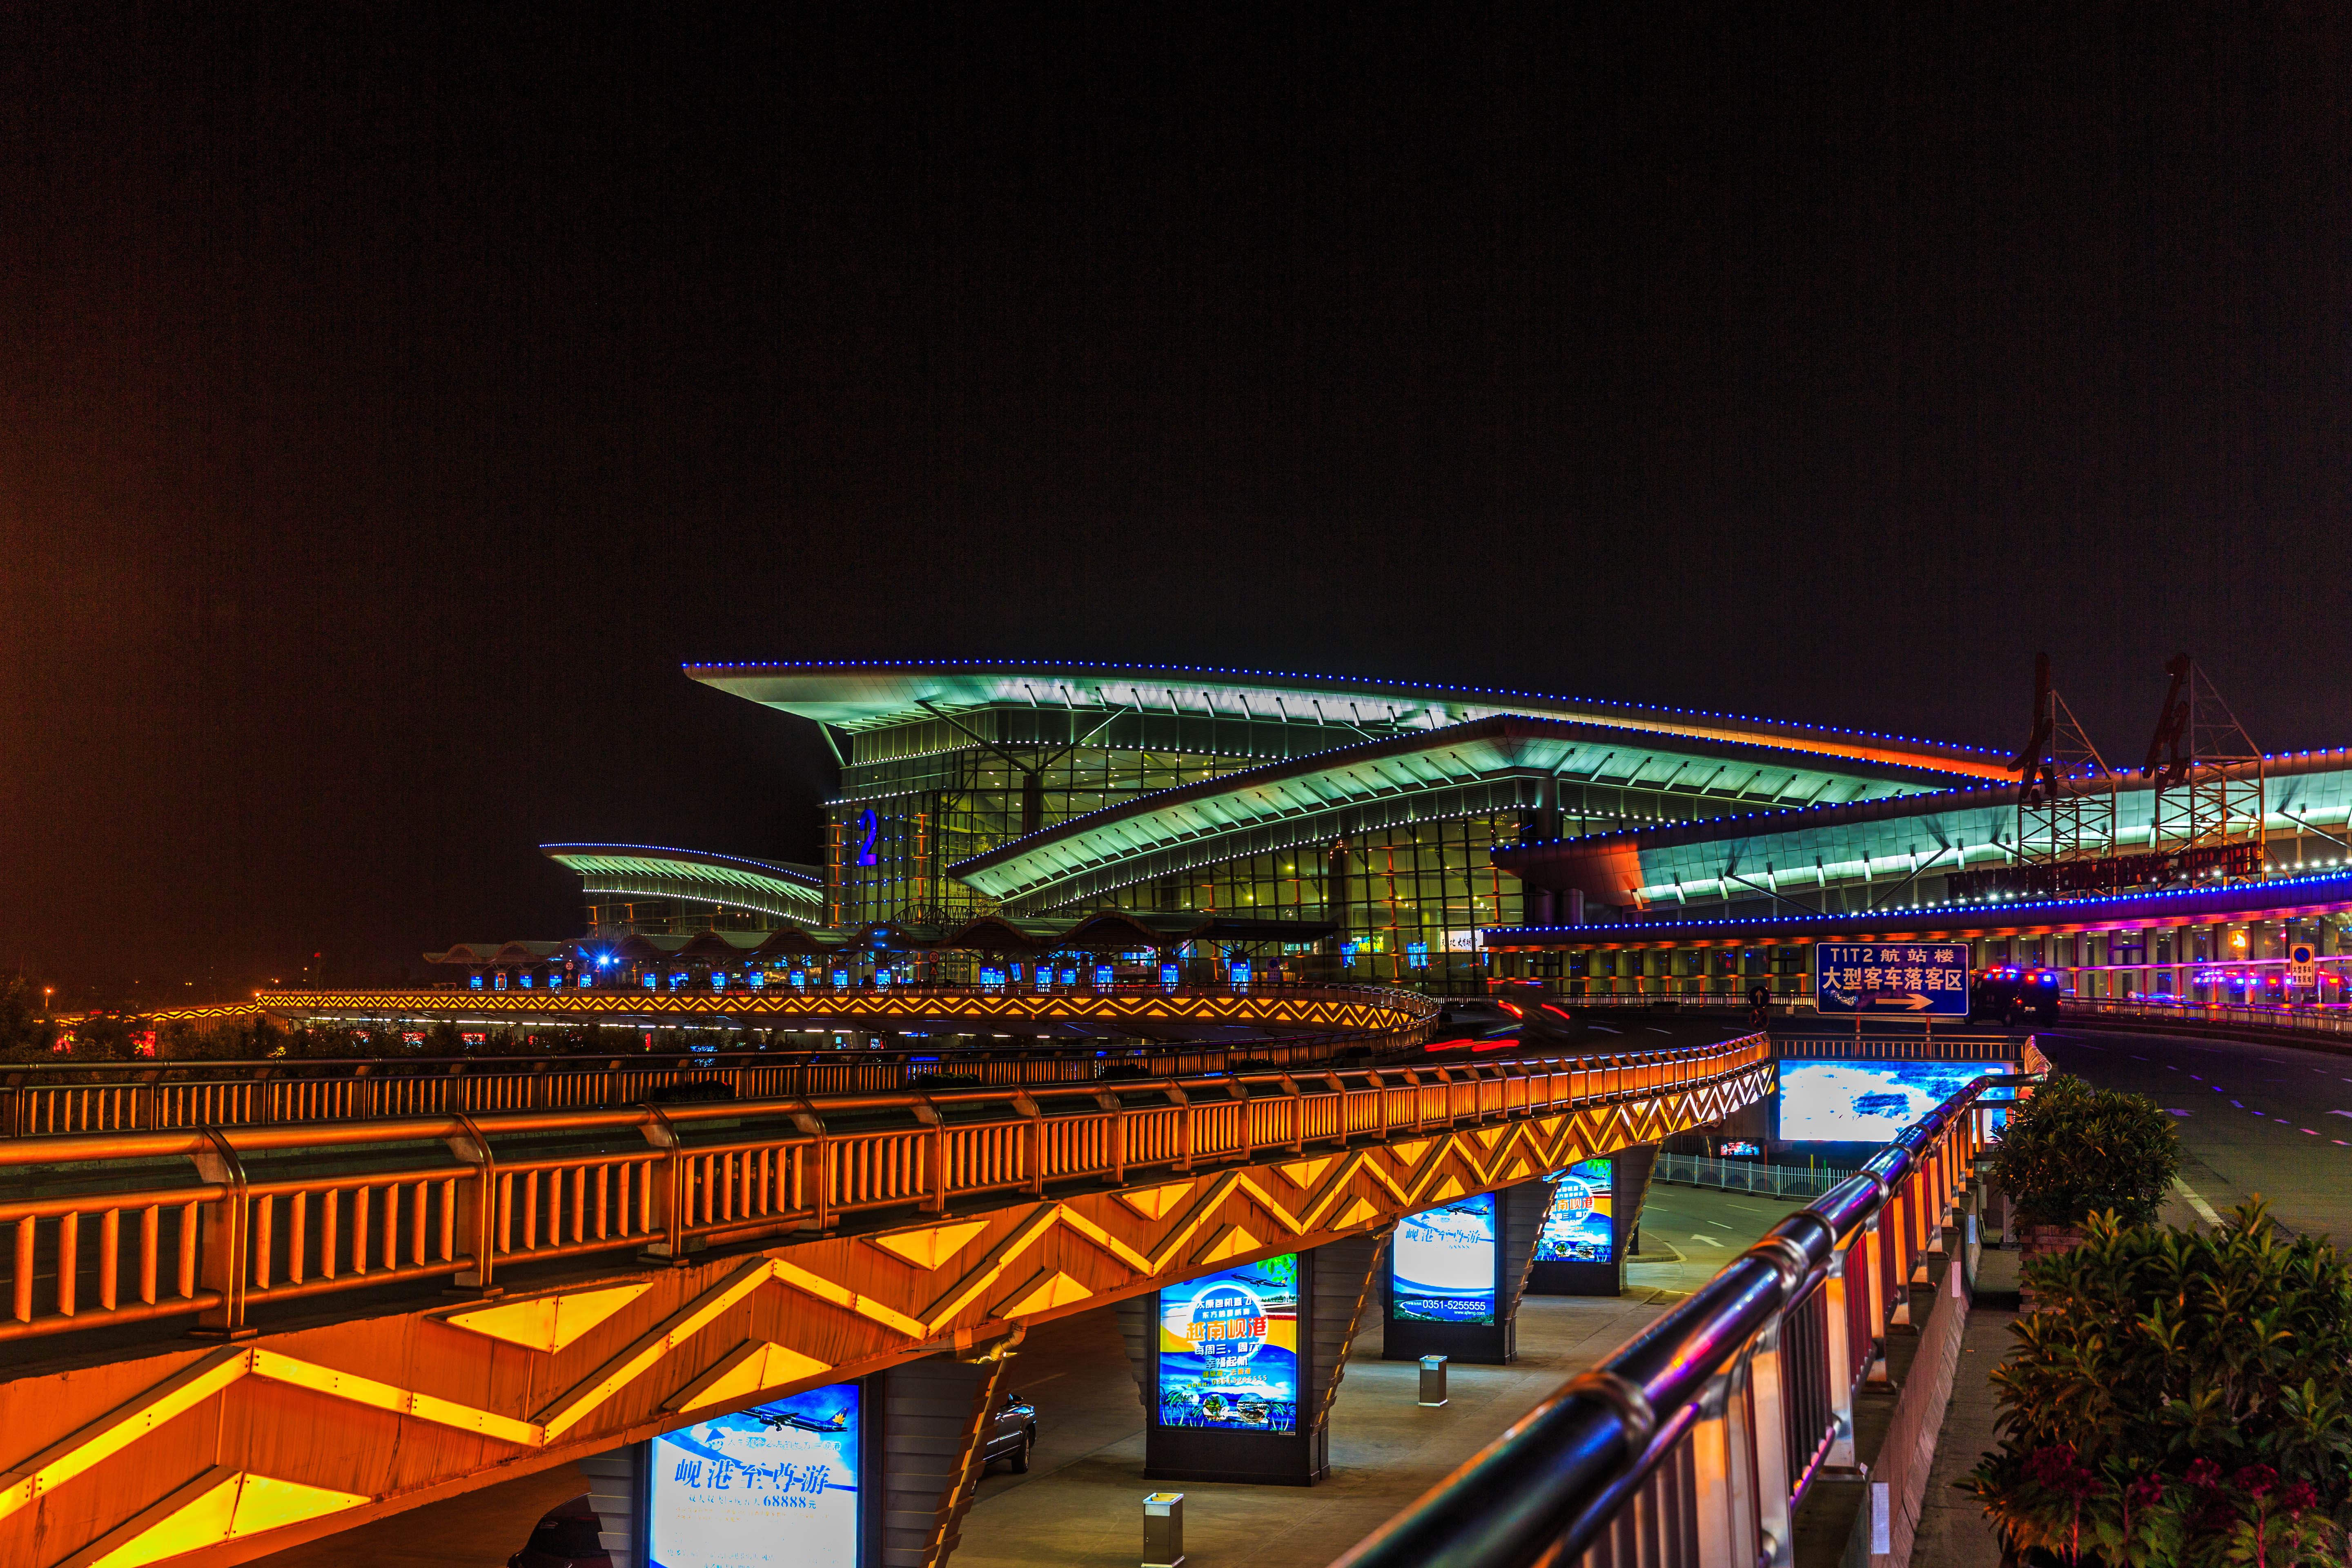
(620, 1271)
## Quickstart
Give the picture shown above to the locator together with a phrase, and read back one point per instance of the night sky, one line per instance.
(391, 401)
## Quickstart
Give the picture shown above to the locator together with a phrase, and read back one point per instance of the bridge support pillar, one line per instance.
(937, 1416)
(928, 1426)
(1569, 1256)
(1456, 1273)
(1254, 1403)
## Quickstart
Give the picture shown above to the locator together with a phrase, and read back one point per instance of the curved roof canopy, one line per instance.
(769, 887)
(872, 695)
(1498, 763)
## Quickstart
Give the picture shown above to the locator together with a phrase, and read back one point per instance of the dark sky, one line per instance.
(391, 401)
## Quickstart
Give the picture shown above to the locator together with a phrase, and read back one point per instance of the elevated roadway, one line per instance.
(227, 1341)
(2254, 1116)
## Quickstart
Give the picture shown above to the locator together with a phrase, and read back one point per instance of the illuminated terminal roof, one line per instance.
(1497, 764)
(2283, 897)
(1795, 855)
(862, 696)
(770, 887)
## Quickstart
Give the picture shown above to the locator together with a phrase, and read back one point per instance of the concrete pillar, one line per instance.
(1333, 1286)
(616, 1490)
(1430, 1318)
(935, 1423)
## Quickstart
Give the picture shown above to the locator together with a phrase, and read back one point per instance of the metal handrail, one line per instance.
(2334, 1020)
(285, 1211)
(1726, 1409)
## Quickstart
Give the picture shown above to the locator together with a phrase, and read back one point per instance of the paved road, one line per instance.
(2274, 1119)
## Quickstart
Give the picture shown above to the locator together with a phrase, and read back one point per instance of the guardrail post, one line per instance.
(1839, 1341)
(476, 1221)
(1727, 1531)
(1768, 1371)
(221, 1262)
(1873, 1244)
(1033, 1139)
(928, 1113)
(1116, 1135)
(669, 1184)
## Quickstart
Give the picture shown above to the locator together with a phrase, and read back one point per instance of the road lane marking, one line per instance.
(2204, 1210)
(1708, 1239)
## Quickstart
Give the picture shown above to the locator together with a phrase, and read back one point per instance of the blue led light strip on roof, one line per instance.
(2011, 912)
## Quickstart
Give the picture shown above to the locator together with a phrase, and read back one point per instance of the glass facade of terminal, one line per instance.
(917, 798)
(2215, 962)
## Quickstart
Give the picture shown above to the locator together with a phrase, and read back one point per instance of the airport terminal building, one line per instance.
(1317, 827)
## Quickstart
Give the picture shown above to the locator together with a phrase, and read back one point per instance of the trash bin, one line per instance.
(1433, 1381)
(1163, 1530)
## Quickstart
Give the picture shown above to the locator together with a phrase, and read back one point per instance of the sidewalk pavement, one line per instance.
(1953, 1530)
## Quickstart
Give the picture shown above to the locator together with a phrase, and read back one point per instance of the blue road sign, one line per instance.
(1906, 979)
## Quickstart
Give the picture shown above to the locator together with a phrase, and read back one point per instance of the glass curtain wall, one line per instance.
(1409, 900)
(887, 846)
(918, 798)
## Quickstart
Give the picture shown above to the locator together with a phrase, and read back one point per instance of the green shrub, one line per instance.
(2073, 1151)
(2179, 1399)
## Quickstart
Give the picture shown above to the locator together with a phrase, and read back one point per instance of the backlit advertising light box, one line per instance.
(1229, 1349)
(1866, 1102)
(1578, 1227)
(776, 1485)
(1443, 1264)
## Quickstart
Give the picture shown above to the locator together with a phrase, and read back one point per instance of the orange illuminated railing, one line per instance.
(114, 1228)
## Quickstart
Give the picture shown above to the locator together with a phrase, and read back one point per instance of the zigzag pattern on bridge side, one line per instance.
(461, 1398)
(880, 1006)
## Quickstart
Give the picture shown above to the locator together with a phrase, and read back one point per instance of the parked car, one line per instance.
(1011, 1433)
(2012, 995)
(565, 1537)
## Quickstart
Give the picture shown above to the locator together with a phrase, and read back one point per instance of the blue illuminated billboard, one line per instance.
(1580, 1225)
(1229, 1349)
(1866, 1102)
(1442, 1263)
(774, 1485)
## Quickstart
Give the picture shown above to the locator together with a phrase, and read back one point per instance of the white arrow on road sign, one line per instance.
(1909, 1001)
(1708, 1239)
